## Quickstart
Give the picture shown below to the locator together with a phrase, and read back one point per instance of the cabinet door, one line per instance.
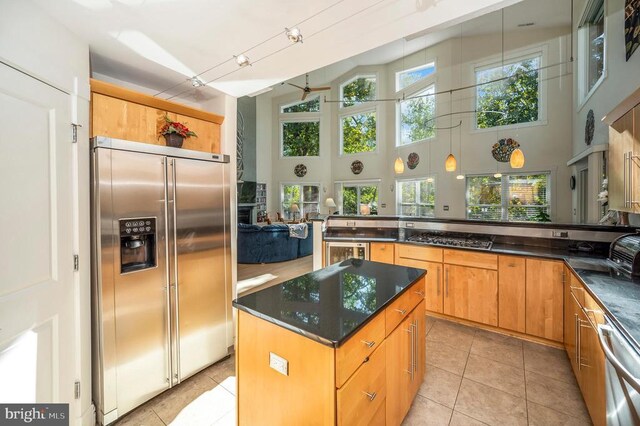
(634, 148)
(592, 372)
(571, 321)
(544, 299)
(511, 293)
(382, 252)
(398, 367)
(620, 143)
(433, 284)
(471, 293)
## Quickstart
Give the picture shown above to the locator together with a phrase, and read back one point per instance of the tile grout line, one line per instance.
(462, 377)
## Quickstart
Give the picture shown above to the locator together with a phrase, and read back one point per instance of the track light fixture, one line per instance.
(242, 60)
(196, 82)
(293, 34)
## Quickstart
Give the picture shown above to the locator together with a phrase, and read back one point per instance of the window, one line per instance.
(514, 198)
(415, 117)
(358, 132)
(408, 77)
(358, 90)
(416, 198)
(300, 128)
(359, 198)
(592, 44)
(306, 197)
(513, 100)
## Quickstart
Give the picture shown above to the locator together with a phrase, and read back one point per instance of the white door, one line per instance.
(37, 327)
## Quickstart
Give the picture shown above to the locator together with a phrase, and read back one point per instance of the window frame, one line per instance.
(398, 118)
(299, 117)
(351, 80)
(418, 83)
(540, 52)
(416, 181)
(504, 196)
(584, 92)
(350, 113)
(339, 187)
(301, 203)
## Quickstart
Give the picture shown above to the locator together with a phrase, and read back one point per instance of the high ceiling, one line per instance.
(160, 43)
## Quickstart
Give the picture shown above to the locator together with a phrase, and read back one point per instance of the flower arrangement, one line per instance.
(173, 127)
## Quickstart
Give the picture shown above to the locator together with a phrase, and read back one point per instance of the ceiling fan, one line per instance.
(306, 89)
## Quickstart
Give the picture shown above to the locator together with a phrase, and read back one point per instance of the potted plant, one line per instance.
(175, 133)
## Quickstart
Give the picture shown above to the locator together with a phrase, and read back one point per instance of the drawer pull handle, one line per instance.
(369, 344)
(576, 288)
(420, 293)
(371, 396)
(511, 265)
(401, 311)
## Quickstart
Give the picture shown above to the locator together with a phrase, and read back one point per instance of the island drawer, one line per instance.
(409, 251)
(358, 348)
(360, 399)
(400, 308)
(471, 258)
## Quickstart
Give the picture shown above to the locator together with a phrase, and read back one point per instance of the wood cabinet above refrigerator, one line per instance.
(121, 113)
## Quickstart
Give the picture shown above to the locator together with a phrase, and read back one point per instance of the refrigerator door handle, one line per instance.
(167, 287)
(173, 270)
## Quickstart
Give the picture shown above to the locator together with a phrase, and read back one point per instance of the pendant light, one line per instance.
(398, 166)
(450, 164)
(517, 159)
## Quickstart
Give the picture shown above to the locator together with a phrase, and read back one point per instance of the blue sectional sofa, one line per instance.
(271, 243)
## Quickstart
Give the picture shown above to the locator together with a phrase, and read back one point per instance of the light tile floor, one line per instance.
(474, 377)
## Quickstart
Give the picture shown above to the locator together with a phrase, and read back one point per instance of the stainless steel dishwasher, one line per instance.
(622, 377)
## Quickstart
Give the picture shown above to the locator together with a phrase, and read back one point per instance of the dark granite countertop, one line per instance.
(616, 292)
(331, 304)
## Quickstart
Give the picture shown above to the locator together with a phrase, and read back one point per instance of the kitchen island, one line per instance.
(341, 345)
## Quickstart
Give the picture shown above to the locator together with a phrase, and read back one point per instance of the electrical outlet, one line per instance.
(445, 208)
(279, 364)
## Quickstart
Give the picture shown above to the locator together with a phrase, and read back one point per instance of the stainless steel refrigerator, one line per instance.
(161, 261)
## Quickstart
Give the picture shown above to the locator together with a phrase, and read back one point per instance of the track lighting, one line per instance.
(242, 60)
(460, 177)
(196, 82)
(293, 34)
(497, 175)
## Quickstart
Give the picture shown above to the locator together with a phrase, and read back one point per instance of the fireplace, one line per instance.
(247, 213)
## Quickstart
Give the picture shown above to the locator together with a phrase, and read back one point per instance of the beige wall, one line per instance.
(547, 146)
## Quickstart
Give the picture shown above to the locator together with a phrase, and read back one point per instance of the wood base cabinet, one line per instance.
(471, 293)
(582, 316)
(371, 379)
(511, 293)
(405, 364)
(544, 299)
(381, 252)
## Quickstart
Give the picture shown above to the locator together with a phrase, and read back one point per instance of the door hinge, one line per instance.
(76, 262)
(76, 389)
(74, 132)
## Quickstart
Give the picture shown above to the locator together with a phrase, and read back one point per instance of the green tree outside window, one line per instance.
(512, 100)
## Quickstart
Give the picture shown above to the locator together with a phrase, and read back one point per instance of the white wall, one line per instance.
(547, 146)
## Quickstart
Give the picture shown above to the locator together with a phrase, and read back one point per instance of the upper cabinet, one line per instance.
(624, 157)
(125, 114)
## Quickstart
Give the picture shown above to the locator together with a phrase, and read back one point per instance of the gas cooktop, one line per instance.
(464, 241)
